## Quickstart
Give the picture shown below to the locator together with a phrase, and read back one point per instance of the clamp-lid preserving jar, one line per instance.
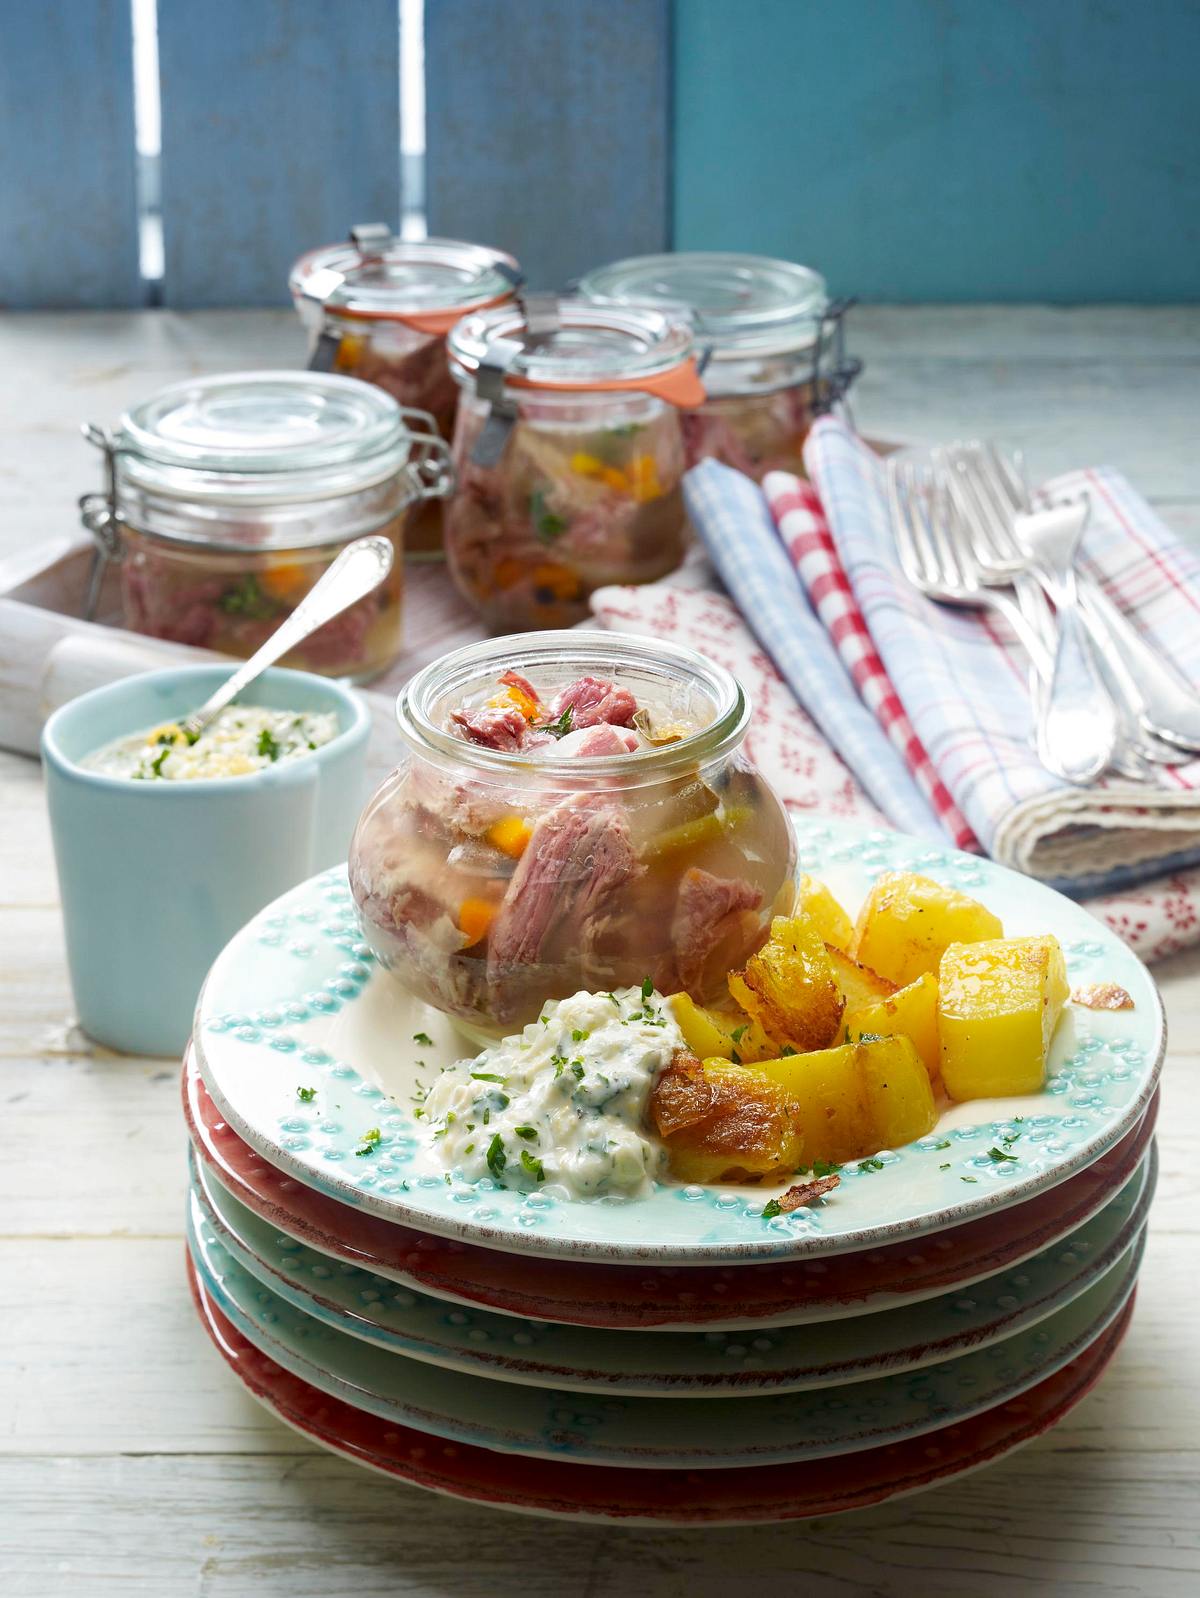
(571, 810)
(379, 308)
(229, 496)
(568, 452)
(771, 343)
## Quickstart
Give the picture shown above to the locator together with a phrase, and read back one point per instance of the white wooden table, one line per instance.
(131, 1464)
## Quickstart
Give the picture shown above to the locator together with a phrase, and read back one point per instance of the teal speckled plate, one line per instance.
(662, 1364)
(294, 1001)
(688, 1433)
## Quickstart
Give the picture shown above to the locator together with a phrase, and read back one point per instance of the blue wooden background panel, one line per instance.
(547, 127)
(68, 186)
(280, 130)
(946, 149)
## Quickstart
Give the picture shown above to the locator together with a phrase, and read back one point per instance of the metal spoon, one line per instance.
(359, 569)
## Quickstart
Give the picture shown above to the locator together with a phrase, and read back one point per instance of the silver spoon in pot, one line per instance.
(359, 569)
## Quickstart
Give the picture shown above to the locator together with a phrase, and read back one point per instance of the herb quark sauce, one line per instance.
(559, 1108)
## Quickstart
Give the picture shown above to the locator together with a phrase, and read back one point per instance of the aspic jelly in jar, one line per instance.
(379, 308)
(229, 496)
(569, 456)
(771, 340)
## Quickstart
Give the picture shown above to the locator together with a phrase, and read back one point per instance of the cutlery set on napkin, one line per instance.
(929, 646)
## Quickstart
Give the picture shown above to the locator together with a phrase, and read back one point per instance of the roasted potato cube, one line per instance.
(832, 922)
(909, 1012)
(788, 986)
(907, 923)
(858, 984)
(999, 1004)
(713, 1034)
(724, 1123)
(850, 1101)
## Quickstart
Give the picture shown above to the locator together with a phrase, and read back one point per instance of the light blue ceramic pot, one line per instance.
(155, 878)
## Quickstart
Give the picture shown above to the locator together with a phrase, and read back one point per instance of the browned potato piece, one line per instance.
(832, 922)
(788, 987)
(851, 1101)
(723, 1122)
(860, 985)
(908, 922)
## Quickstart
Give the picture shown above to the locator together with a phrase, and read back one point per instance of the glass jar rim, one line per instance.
(741, 305)
(582, 650)
(406, 277)
(586, 347)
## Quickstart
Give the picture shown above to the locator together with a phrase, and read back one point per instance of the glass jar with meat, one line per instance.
(569, 454)
(773, 344)
(229, 496)
(378, 308)
(573, 811)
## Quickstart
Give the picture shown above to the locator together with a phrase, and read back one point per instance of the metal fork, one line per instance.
(1163, 702)
(941, 566)
(980, 488)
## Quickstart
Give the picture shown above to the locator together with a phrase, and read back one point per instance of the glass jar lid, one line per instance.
(742, 305)
(263, 436)
(420, 282)
(573, 345)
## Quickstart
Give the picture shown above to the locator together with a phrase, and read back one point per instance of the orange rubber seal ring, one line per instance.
(681, 386)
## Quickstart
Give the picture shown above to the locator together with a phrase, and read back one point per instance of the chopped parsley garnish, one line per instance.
(735, 1057)
(306, 1095)
(580, 1036)
(497, 1159)
(870, 1165)
(647, 987)
(529, 1133)
(559, 1062)
(370, 1142)
(156, 764)
(577, 1067)
(269, 745)
(944, 1167)
(944, 1143)
(614, 999)
(739, 1031)
(968, 1179)
(999, 1154)
(423, 1037)
(771, 1208)
(486, 1076)
(533, 1166)
(825, 1168)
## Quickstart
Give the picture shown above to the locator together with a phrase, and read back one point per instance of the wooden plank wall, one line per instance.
(280, 130)
(68, 226)
(548, 129)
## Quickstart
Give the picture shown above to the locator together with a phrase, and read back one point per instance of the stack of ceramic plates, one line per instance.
(678, 1359)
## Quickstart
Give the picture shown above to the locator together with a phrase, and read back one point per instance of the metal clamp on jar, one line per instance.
(773, 341)
(227, 497)
(379, 308)
(569, 452)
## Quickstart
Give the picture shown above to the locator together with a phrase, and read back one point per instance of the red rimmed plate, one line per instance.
(657, 1497)
(682, 1297)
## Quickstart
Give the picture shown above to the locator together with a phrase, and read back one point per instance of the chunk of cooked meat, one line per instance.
(578, 854)
(592, 700)
(708, 912)
(493, 726)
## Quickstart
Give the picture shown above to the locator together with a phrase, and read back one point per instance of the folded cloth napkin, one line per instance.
(961, 676)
